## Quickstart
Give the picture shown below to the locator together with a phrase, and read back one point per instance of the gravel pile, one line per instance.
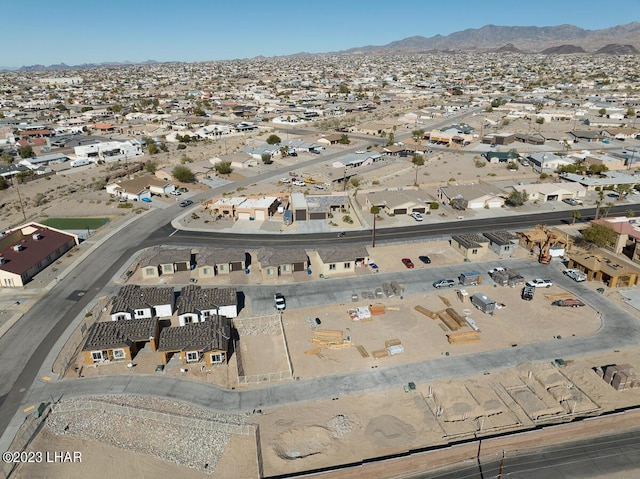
(340, 426)
(198, 446)
(256, 327)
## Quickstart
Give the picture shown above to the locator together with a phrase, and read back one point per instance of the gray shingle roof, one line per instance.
(470, 240)
(343, 253)
(166, 256)
(213, 334)
(195, 298)
(501, 238)
(211, 256)
(114, 334)
(277, 257)
(133, 297)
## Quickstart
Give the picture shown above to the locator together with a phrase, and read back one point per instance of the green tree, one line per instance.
(152, 149)
(183, 174)
(344, 139)
(540, 120)
(273, 140)
(392, 137)
(355, 182)
(418, 161)
(266, 158)
(597, 169)
(151, 166)
(417, 135)
(602, 111)
(517, 198)
(599, 235)
(26, 152)
(223, 167)
(631, 113)
(284, 151)
(3, 183)
(6, 158)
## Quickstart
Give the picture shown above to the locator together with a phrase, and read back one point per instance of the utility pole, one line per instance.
(24, 216)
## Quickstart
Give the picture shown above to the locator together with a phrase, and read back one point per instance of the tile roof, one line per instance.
(113, 334)
(166, 256)
(214, 333)
(211, 256)
(280, 256)
(344, 253)
(133, 296)
(470, 240)
(501, 238)
(195, 298)
(32, 251)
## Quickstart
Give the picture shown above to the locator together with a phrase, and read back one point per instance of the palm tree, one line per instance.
(417, 160)
(374, 211)
(575, 215)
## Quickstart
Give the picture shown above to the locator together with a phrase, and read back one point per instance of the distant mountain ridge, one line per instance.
(64, 66)
(564, 38)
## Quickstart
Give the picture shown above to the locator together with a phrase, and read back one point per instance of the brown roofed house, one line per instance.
(119, 340)
(194, 342)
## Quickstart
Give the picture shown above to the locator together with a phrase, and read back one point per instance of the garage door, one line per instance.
(475, 205)
(260, 216)
(298, 267)
(237, 266)
(301, 215)
(400, 211)
(244, 216)
(317, 216)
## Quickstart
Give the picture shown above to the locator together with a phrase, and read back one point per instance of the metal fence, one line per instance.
(220, 424)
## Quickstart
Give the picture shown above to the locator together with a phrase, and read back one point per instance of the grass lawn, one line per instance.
(75, 223)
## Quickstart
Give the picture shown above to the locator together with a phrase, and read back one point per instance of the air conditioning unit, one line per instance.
(36, 236)
(2, 260)
(17, 247)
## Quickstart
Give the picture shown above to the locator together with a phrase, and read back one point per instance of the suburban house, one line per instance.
(332, 139)
(108, 151)
(600, 265)
(627, 235)
(29, 249)
(238, 160)
(448, 136)
(220, 261)
(354, 160)
(610, 161)
(135, 302)
(245, 208)
(318, 207)
(535, 139)
(400, 202)
(210, 340)
(139, 188)
(552, 191)
(586, 135)
(471, 245)
(474, 196)
(119, 341)
(502, 243)
(165, 261)
(607, 180)
(276, 262)
(499, 138)
(339, 260)
(196, 304)
(545, 162)
(500, 156)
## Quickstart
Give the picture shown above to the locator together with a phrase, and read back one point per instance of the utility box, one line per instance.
(483, 303)
(288, 217)
(472, 278)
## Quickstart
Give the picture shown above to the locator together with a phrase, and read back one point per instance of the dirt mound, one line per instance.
(302, 442)
(389, 431)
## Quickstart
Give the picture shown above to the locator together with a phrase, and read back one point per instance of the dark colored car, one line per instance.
(425, 259)
(568, 303)
(186, 203)
(528, 292)
(408, 263)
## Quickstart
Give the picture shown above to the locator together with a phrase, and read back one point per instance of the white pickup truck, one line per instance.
(575, 274)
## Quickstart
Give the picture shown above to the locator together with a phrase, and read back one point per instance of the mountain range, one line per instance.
(560, 39)
(621, 39)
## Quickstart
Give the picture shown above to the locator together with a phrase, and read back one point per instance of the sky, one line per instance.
(94, 31)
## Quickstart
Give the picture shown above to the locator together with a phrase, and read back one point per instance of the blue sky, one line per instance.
(93, 31)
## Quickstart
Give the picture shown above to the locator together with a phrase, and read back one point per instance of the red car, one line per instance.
(407, 262)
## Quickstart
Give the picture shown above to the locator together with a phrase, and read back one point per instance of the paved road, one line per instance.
(582, 459)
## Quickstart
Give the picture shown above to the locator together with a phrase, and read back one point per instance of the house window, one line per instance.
(150, 271)
(188, 319)
(206, 271)
(222, 267)
(119, 354)
(286, 267)
(270, 271)
(347, 265)
(140, 312)
(332, 267)
(193, 356)
(97, 356)
(474, 251)
(217, 358)
(168, 268)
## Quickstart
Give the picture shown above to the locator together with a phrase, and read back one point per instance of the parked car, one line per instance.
(146, 200)
(528, 292)
(175, 193)
(444, 283)
(540, 283)
(279, 302)
(408, 263)
(570, 201)
(417, 216)
(575, 274)
(182, 189)
(299, 183)
(568, 303)
(186, 203)
(285, 180)
(497, 269)
(359, 152)
(425, 259)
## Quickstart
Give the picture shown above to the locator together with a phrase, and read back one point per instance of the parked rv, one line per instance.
(81, 162)
(483, 303)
